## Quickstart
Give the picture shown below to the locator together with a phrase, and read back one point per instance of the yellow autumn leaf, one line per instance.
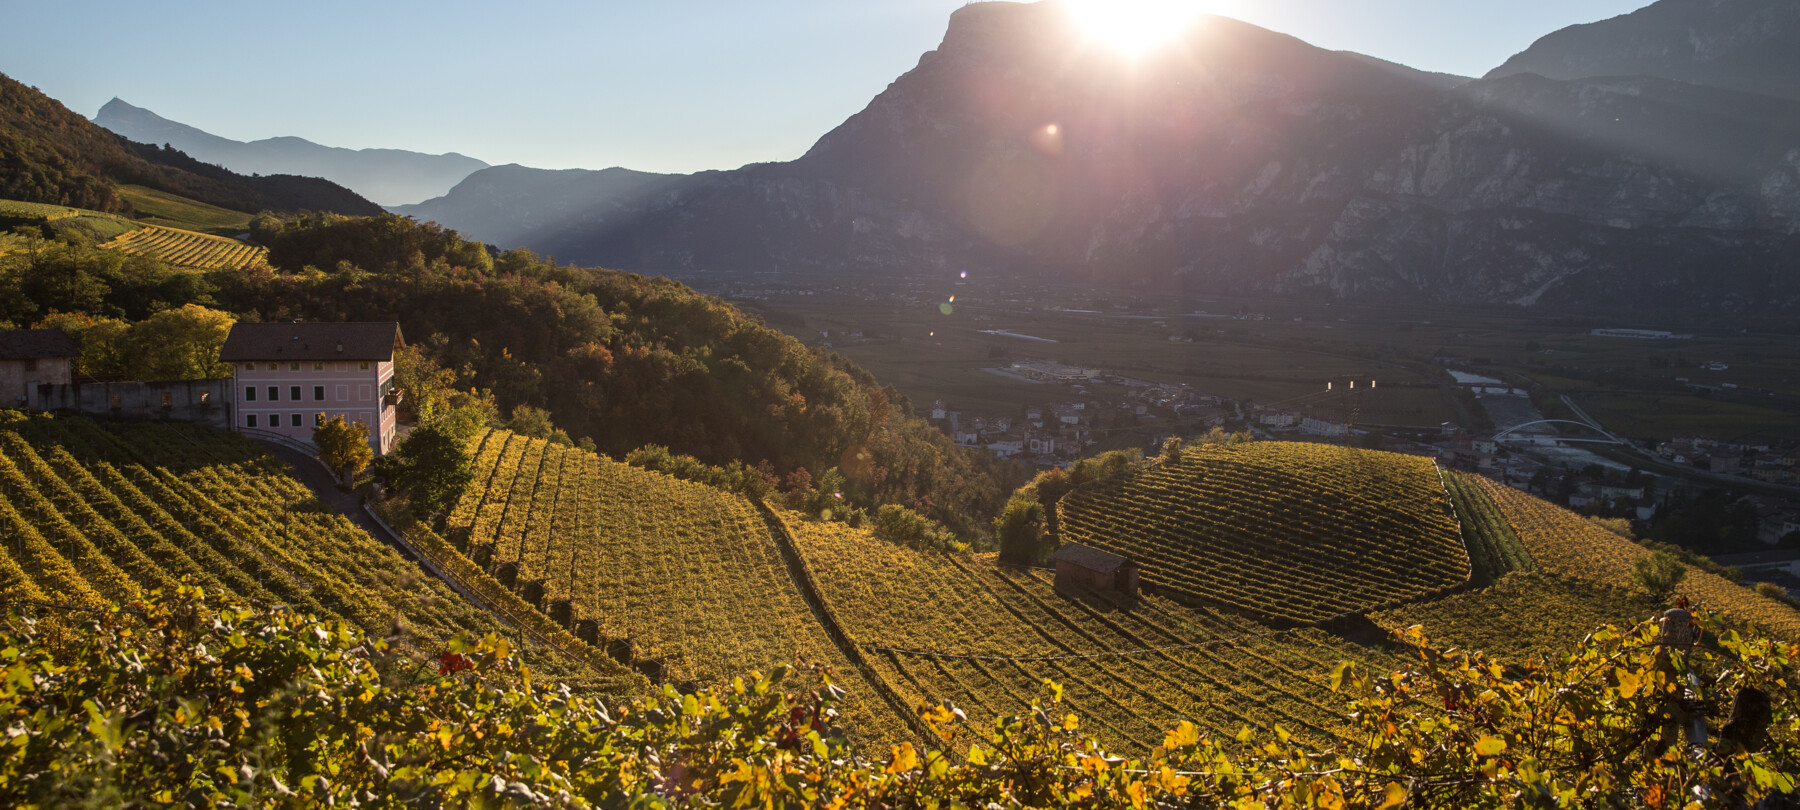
(1490, 746)
(1393, 796)
(905, 759)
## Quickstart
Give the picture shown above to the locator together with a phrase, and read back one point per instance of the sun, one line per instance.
(1136, 26)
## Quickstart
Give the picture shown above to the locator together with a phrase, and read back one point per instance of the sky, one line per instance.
(665, 85)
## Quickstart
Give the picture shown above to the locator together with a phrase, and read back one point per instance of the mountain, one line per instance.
(1242, 162)
(388, 176)
(1747, 45)
(50, 154)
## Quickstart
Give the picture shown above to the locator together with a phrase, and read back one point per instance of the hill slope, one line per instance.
(684, 580)
(387, 176)
(1747, 45)
(53, 155)
(1284, 532)
(97, 515)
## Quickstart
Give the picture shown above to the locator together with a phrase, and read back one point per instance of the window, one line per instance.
(343, 393)
(117, 402)
(296, 420)
(249, 366)
(168, 399)
(205, 397)
(249, 393)
(31, 364)
(318, 393)
(274, 393)
(294, 393)
(318, 367)
(293, 367)
(362, 393)
(363, 365)
(249, 420)
(271, 366)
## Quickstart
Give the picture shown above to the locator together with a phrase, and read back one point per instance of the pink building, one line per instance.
(292, 377)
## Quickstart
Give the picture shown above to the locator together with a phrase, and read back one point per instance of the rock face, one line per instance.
(387, 176)
(1749, 45)
(1243, 162)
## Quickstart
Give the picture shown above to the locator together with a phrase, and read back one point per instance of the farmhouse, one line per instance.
(1080, 566)
(33, 357)
(292, 377)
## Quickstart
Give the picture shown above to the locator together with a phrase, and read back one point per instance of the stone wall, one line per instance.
(202, 402)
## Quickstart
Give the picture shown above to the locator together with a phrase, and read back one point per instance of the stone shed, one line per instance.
(1083, 566)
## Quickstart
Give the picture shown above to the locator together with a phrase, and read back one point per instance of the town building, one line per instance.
(30, 358)
(1082, 566)
(292, 377)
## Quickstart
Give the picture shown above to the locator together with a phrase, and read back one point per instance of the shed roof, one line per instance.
(312, 341)
(1091, 558)
(33, 344)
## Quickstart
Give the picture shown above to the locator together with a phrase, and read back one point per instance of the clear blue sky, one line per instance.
(669, 85)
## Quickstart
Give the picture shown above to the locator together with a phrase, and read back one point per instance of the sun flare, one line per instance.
(1136, 26)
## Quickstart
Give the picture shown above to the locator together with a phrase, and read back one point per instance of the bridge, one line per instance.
(1604, 438)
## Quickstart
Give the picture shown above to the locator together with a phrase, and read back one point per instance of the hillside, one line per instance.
(185, 248)
(1745, 45)
(1284, 532)
(56, 156)
(680, 579)
(97, 515)
(387, 176)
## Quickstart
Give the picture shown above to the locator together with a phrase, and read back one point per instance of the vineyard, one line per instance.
(937, 625)
(681, 579)
(15, 209)
(188, 249)
(1494, 549)
(1291, 533)
(93, 516)
(1565, 543)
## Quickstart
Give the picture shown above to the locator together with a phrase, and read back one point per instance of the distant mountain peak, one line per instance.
(388, 176)
(1749, 45)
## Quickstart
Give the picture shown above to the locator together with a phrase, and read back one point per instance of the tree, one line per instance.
(344, 447)
(1020, 529)
(433, 467)
(1658, 572)
(1171, 450)
(104, 342)
(180, 344)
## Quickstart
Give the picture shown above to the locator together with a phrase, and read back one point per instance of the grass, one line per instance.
(162, 208)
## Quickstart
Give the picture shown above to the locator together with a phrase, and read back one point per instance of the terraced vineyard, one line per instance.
(1282, 531)
(1565, 543)
(937, 625)
(94, 515)
(688, 577)
(188, 248)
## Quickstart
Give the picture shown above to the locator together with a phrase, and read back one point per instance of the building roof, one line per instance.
(1091, 558)
(33, 344)
(312, 341)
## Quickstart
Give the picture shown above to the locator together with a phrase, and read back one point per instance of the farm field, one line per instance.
(686, 577)
(938, 625)
(1286, 532)
(95, 514)
(188, 248)
(1564, 543)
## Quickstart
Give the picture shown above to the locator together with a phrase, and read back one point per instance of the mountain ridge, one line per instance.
(388, 176)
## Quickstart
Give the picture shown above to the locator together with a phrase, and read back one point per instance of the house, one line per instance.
(1323, 427)
(938, 411)
(1081, 566)
(967, 436)
(1006, 448)
(292, 377)
(30, 358)
(1042, 444)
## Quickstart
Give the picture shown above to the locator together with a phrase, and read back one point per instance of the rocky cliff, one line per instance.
(1241, 161)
